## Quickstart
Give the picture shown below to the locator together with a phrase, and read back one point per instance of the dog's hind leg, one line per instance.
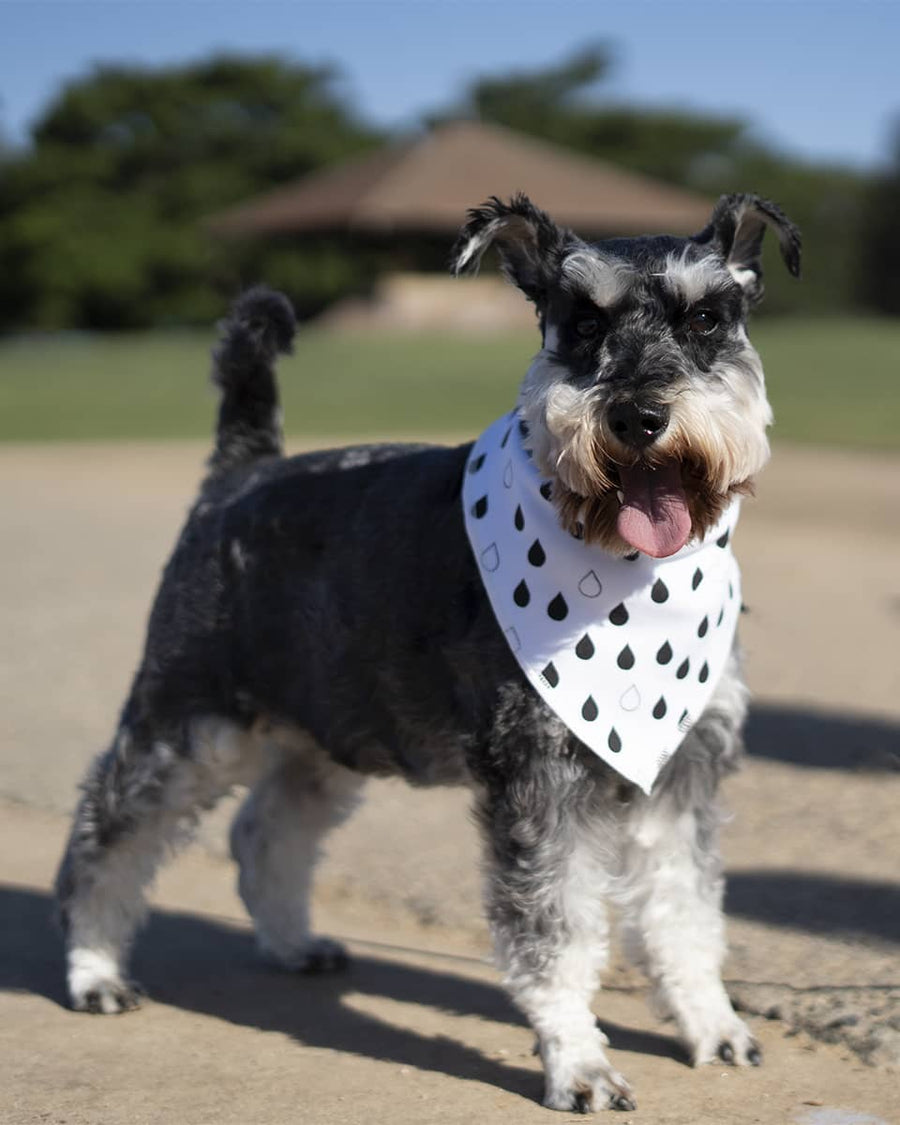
(549, 850)
(140, 798)
(276, 839)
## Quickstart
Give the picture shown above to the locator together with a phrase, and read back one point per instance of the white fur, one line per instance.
(604, 280)
(110, 905)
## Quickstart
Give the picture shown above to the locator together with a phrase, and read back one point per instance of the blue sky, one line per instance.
(816, 77)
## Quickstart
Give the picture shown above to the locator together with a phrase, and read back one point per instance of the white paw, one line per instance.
(315, 955)
(579, 1078)
(729, 1041)
(96, 985)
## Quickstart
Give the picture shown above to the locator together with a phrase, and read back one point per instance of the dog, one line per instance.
(337, 614)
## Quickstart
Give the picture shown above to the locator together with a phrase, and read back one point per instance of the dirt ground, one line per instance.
(418, 1030)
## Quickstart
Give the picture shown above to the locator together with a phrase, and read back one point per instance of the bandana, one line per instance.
(626, 651)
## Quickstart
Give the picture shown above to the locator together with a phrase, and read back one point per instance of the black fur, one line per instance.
(335, 595)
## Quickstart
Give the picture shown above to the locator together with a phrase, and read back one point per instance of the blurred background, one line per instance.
(157, 156)
(154, 157)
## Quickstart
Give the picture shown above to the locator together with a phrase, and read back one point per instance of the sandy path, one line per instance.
(812, 851)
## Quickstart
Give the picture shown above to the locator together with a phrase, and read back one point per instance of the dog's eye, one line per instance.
(588, 327)
(703, 322)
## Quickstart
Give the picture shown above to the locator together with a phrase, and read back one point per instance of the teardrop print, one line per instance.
(508, 475)
(522, 595)
(550, 674)
(479, 508)
(719, 618)
(584, 650)
(490, 557)
(703, 627)
(590, 585)
(660, 709)
(697, 579)
(558, 609)
(625, 659)
(704, 673)
(536, 554)
(660, 592)
(631, 699)
(476, 463)
(546, 489)
(618, 615)
(683, 669)
(664, 655)
(505, 438)
(518, 518)
(614, 742)
(722, 541)
(589, 711)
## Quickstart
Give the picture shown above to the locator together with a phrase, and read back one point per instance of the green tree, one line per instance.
(101, 219)
(562, 103)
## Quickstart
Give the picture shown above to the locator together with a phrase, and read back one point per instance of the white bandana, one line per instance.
(626, 651)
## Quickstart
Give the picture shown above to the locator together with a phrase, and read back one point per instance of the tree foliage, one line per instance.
(708, 154)
(101, 220)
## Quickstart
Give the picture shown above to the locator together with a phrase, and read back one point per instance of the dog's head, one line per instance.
(646, 404)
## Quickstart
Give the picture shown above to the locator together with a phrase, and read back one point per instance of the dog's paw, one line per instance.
(582, 1081)
(316, 955)
(731, 1043)
(97, 986)
(107, 997)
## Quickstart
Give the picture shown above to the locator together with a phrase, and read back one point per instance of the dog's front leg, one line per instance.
(545, 888)
(674, 927)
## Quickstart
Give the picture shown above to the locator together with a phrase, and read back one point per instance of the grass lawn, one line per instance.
(831, 382)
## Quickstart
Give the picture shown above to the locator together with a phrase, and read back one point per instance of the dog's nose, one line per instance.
(638, 423)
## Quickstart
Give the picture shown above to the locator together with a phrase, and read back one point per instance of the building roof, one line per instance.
(427, 184)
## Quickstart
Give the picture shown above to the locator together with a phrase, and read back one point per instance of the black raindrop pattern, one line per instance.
(614, 742)
(546, 490)
(505, 438)
(664, 654)
(477, 462)
(704, 673)
(660, 592)
(683, 668)
(720, 617)
(619, 614)
(518, 518)
(584, 650)
(703, 627)
(625, 659)
(536, 554)
(697, 579)
(550, 675)
(480, 507)
(589, 710)
(660, 708)
(521, 594)
(558, 609)
(722, 541)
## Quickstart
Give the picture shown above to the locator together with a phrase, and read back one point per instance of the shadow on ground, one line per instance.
(205, 966)
(850, 909)
(802, 737)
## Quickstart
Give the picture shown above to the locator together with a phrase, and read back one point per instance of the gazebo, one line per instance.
(408, 200)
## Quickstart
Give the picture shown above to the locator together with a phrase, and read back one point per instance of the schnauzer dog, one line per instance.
(546, 616)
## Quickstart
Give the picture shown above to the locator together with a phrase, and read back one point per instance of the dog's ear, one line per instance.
(737, 227)
(528, 241)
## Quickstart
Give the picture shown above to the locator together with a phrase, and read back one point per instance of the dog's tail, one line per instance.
(261, 325)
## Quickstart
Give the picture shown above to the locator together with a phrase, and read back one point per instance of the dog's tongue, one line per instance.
(654, 516)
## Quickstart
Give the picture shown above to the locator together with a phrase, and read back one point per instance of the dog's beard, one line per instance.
(598, 518)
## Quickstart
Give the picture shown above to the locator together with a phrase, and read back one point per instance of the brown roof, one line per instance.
(428, 183)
